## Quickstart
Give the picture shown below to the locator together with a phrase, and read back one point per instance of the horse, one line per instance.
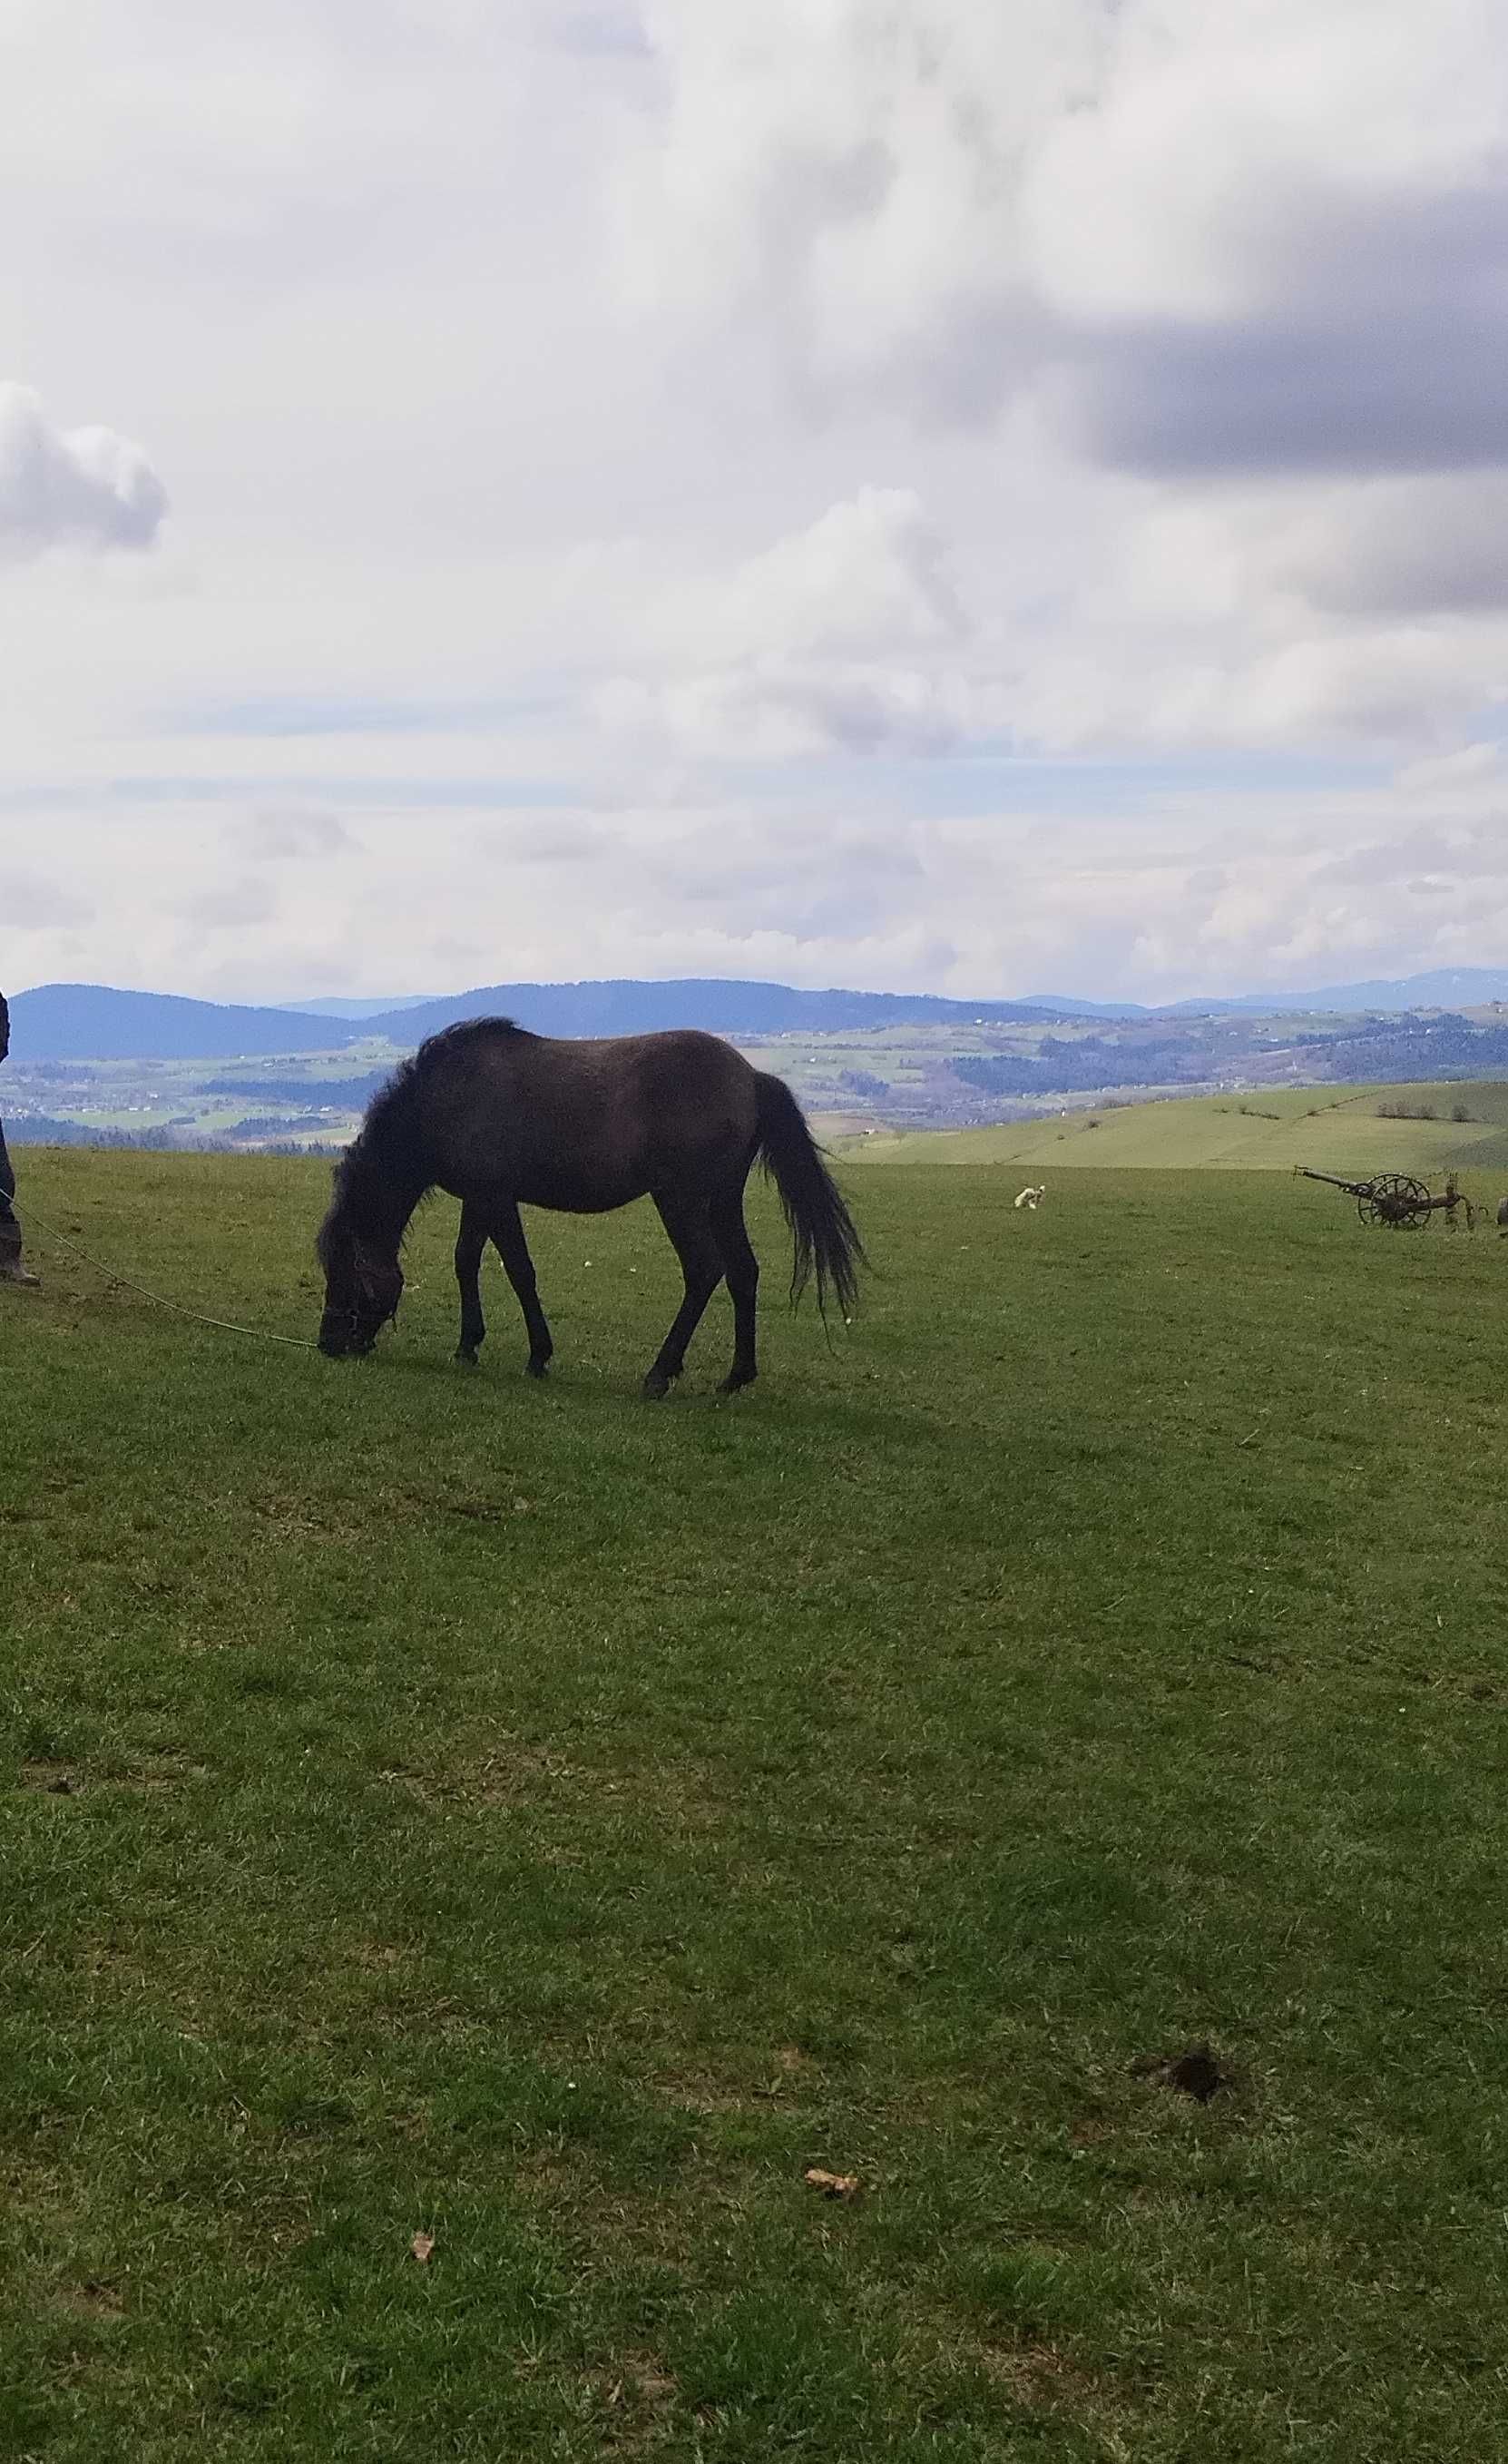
(501, 1118)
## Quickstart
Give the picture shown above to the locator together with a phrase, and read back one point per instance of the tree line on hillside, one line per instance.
(1445, 1047)
(38, 1130)
(1060, 1067)
(336, 1095)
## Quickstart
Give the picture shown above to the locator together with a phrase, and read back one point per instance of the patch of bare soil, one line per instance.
(54, 1778)
(92, 2299)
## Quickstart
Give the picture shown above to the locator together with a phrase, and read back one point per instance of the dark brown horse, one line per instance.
(502, 1118)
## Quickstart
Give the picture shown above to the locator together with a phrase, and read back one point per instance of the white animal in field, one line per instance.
(1030, 1196)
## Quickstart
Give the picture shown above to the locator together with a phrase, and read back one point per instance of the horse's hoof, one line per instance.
(736, 1379)
(537, 1369)
(656, 1386)
(465, 1360)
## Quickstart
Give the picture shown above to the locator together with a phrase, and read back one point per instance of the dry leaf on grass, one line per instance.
(422, 2245)
(833, 2185)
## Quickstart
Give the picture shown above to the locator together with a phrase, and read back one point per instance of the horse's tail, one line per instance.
(821, 1223)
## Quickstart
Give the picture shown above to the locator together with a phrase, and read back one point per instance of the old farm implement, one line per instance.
(1396, 1200)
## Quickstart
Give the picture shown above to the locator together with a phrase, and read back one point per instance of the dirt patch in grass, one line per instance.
(159, 1772)
(92, 2299)
(634, 2396)
(151, 1772)
(54, 1779)
(295, 1513)
(1091, 2130)
(785, 2073)
(680, 1796)
(1034, 2374)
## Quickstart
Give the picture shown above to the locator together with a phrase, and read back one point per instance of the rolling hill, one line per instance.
(98, 1022)
(1330, 1130)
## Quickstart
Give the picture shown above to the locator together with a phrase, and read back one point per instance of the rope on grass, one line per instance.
(159, 1300)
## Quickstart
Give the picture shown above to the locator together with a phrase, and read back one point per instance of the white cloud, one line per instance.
(87, 487)
(643, 467)
(869, 577)
(1208, 890)
(1268, 235)
(844, 634)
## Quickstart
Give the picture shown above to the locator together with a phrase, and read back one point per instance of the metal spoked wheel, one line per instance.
(1397, 1201)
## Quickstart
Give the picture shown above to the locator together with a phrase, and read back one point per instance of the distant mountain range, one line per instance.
(358, 1008)
(1443, 988)
(94, 1022)
(97, 1023)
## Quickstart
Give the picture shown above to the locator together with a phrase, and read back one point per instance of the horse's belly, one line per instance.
(569, 1194)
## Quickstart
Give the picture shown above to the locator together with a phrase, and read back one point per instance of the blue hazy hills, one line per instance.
(99, 1023)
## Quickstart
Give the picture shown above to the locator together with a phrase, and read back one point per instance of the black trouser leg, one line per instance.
(9, 1229)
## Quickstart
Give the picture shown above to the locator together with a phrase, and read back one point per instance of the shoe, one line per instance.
(19, 1274)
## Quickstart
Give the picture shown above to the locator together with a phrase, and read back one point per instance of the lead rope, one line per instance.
(158, 1299)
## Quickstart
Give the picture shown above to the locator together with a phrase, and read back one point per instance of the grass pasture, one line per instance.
(549, 1824)
(1270, 1129)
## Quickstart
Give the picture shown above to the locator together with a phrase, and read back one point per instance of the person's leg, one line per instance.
(11, 1270)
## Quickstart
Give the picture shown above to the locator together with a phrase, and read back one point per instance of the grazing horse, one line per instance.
(503, 1118)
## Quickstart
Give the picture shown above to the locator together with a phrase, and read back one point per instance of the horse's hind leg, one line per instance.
(701, 1263)
(508, 1238)
(742, 1268)
(470, 1242)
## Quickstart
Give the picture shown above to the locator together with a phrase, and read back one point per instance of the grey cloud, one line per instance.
(29, 900)
(238, 904)
(572, 839)
(1372, 342)
(271, 838)
(1420, 858)
(1115, 204)
(601, 33)
(862, 714)
(1420, 547)
(1421, 392)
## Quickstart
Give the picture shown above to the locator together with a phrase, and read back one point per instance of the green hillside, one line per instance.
(473, 1848)
(1333, 1132)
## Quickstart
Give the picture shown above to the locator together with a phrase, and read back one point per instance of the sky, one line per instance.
(982, 497)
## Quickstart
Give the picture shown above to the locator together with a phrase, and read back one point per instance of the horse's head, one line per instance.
(363, 1289)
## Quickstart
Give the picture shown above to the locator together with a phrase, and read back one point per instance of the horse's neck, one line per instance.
(378, 1209)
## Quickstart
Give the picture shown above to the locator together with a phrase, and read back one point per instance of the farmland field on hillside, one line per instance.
(1353, 1132)
(473, 1848)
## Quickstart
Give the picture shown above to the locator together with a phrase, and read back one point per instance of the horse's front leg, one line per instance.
(470, 1245)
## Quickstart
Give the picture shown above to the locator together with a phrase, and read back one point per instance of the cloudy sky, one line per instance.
(984, 495)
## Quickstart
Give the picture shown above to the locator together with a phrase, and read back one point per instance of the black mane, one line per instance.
(387, 1146)
(387, 1112)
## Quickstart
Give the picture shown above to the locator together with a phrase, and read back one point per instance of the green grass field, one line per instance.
(550, 1824)
(1335, 1129)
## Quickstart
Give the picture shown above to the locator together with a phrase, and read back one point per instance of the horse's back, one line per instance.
(585, 1124)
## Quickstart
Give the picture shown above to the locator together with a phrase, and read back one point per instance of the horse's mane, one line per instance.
(384, 1147)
